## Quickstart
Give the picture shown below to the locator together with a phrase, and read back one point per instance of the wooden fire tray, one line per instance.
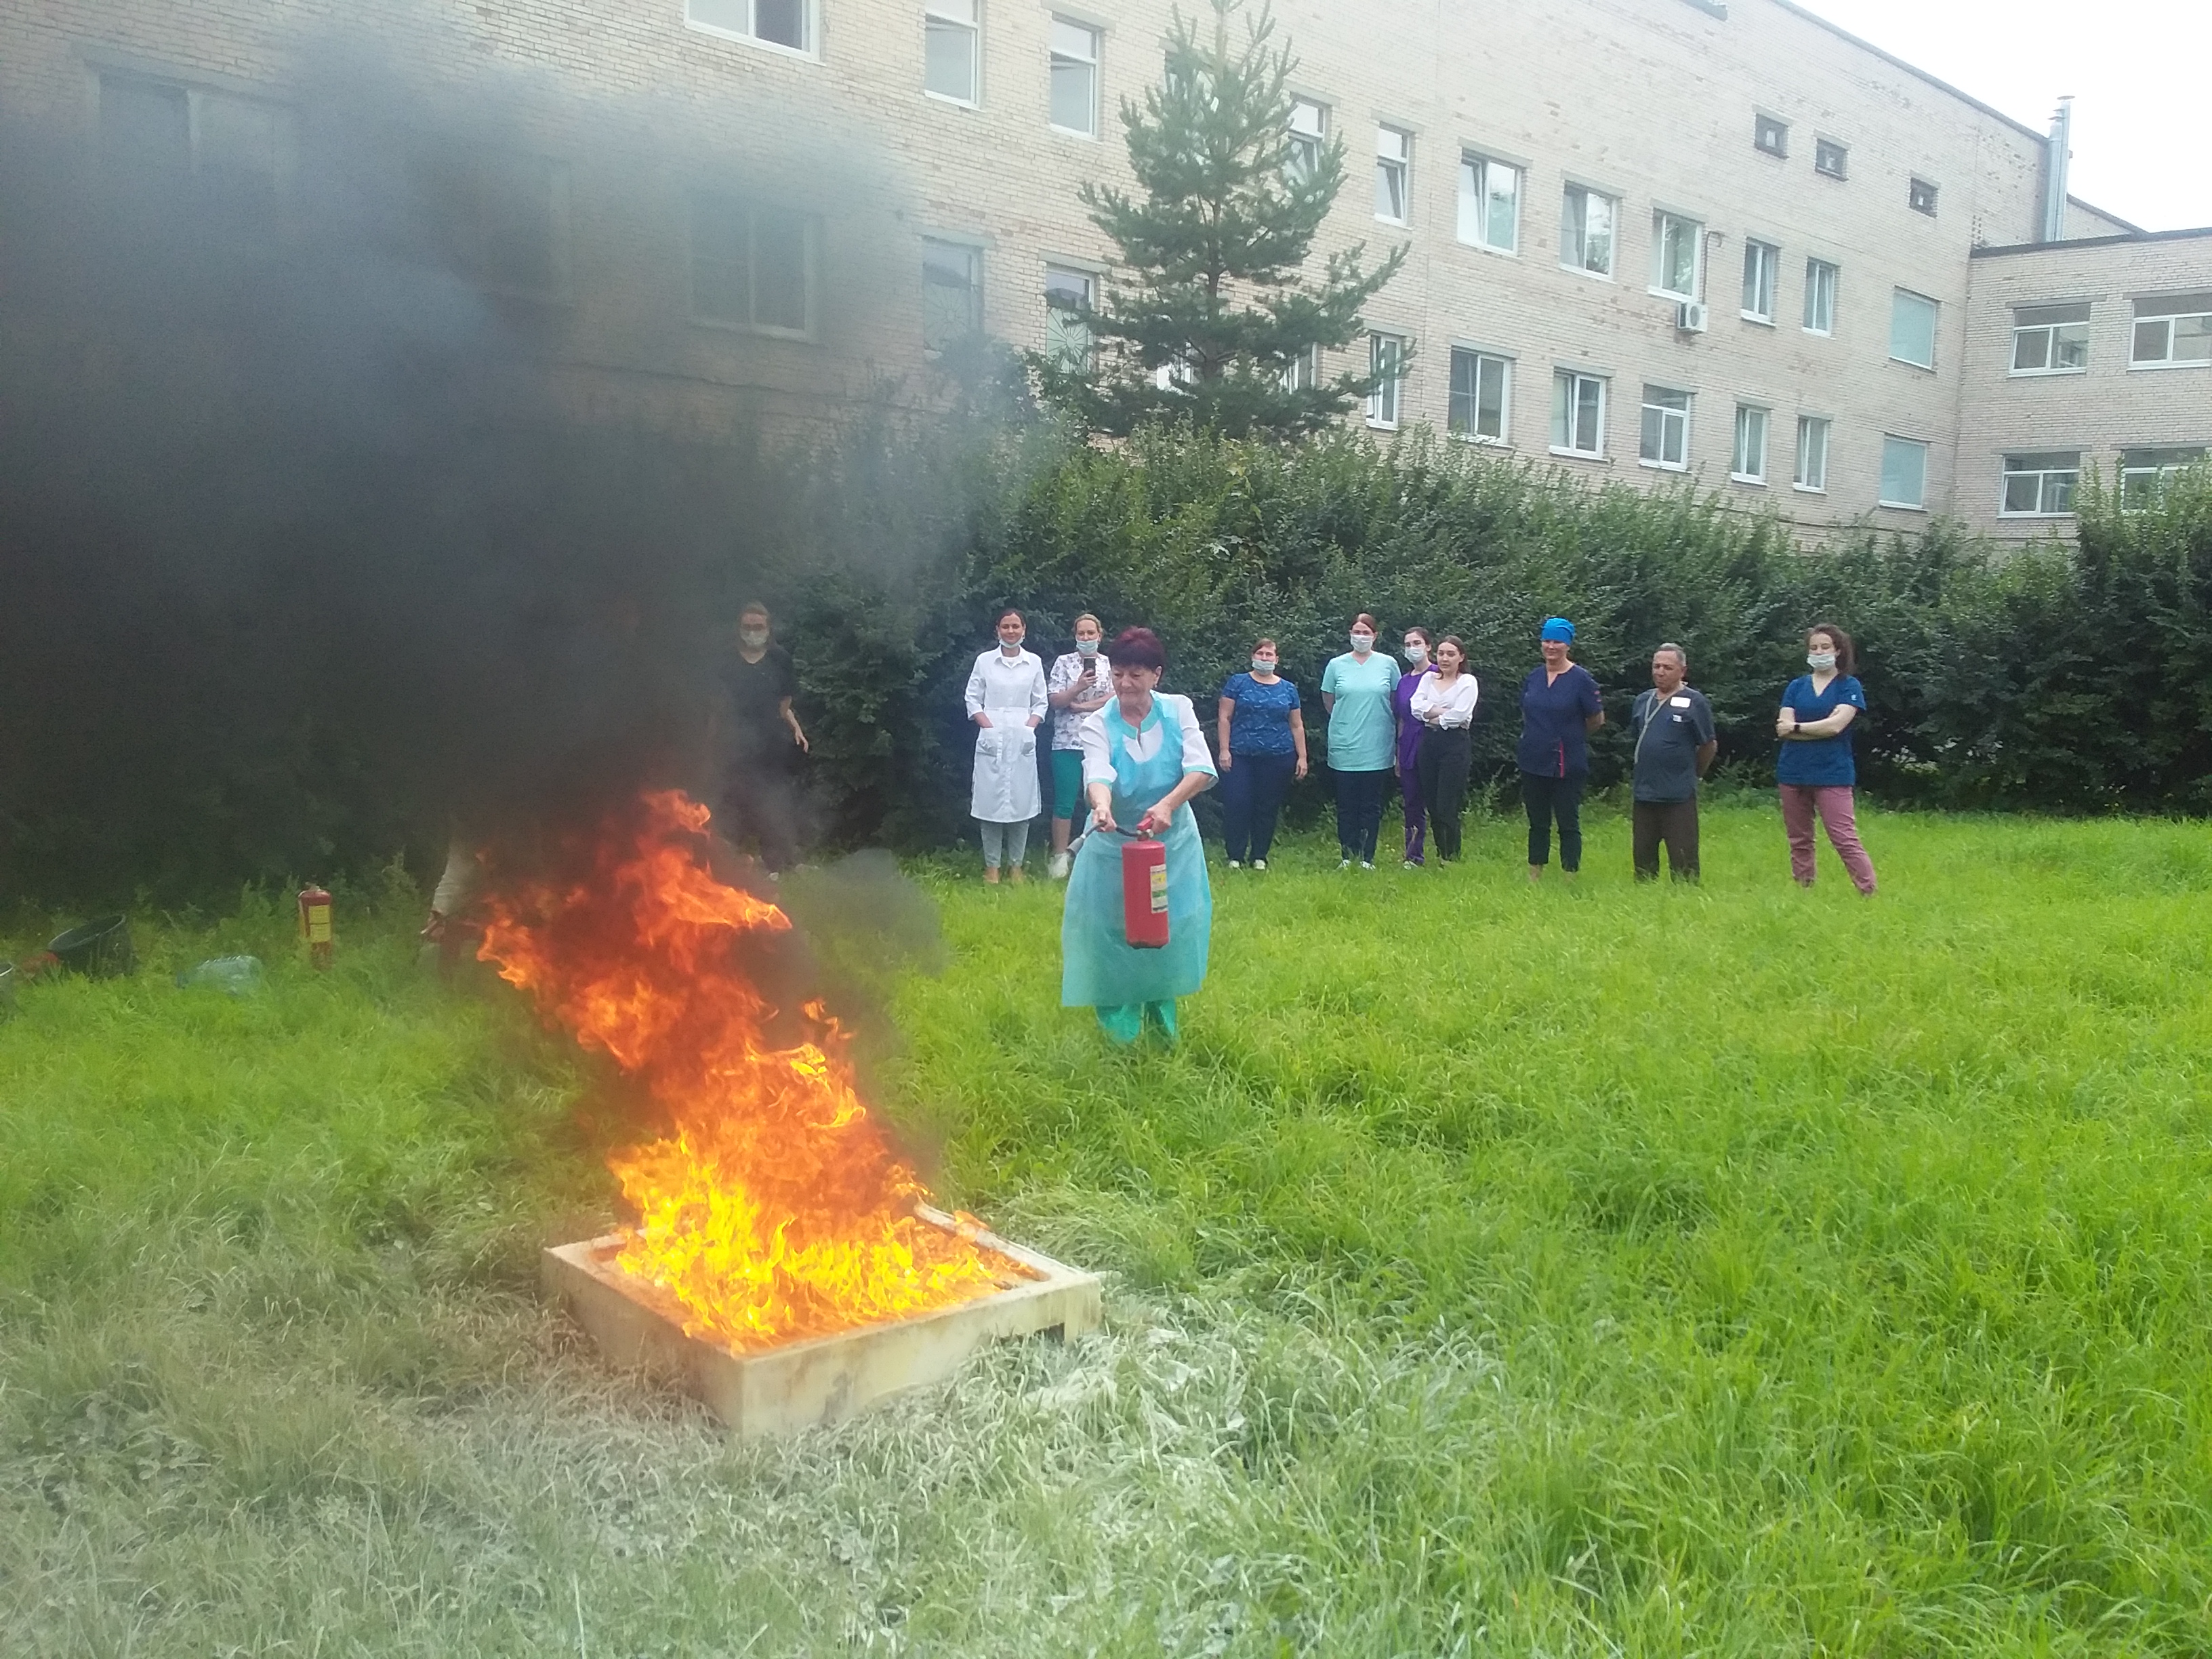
(822, 1379)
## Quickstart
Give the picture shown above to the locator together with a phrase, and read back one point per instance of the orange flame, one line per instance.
(775, 1208)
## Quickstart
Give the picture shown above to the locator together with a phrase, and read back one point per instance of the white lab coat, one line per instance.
(1010, 689)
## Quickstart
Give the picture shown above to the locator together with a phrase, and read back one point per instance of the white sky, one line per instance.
(2137, 69)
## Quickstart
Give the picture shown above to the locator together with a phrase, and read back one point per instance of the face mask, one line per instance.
(1416, 654)
(1819, 660)
(1362, 643)
(1086, 647)
(753, 637)
(1263, 665)
(1012, 647)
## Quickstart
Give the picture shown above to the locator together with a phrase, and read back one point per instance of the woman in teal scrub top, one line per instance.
(1143, 757)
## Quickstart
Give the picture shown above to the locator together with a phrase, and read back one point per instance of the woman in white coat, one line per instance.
(1006, 701)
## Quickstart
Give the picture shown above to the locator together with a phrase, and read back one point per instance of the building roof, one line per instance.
(2096, 242)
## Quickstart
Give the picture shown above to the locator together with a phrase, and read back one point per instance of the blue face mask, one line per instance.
(1263, 665)
(1086, 647)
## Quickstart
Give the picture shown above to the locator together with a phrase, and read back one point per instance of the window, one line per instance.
(1489, 203)
(2172, 331)
(1075, 77)
(785, 23)
(2144, 473)
(1308, 135)
(158, 133)
(1920, 198)
(1302, 372)
(1811, 453)
(1904, 472)
(952, 50)
(2040, 486)
(1912, 328)
(2049, 339)
(498, 218)
(1586, 221)
(951, 293)
(1578, 414)
(1770, 135)
(1762, 270)
(1676, 244)
(1479, 383)
(1829, 157)
(1394, 164)
(1821, 277)
(1749, 464)
(1666, 438)
(1068, 293)
(752, 267)
(1386, 362)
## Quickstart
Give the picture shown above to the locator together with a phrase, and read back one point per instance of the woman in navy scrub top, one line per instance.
(1815, 770)
(1560, 709)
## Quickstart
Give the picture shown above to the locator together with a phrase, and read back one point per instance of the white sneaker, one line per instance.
(1234, 865)
(1258, 864)
(1367, 864)
(1347, 865)
(1060, 865)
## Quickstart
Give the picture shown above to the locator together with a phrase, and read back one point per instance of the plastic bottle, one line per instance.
(238, 975)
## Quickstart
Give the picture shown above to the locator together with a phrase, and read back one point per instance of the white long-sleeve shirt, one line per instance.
(1009, 689)
(1452, 701)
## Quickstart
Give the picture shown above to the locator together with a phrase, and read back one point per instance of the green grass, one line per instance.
(1591, 1270)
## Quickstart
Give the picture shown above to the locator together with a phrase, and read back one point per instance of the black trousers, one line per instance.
(1252, 791)
(1359, 812)
(761, 801)
(1555, 798)
(1674, 823)
(1444, 758)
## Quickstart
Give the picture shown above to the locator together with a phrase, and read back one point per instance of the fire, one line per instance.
(774, 1207)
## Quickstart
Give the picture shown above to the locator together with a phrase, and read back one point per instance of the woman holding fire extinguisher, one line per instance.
(1144, 758)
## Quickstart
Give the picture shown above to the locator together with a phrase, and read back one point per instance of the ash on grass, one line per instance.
(1604, 1271)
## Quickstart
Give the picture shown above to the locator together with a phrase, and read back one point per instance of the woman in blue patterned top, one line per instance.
(1263, 747)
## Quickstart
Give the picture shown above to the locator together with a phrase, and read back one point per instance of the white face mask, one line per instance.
(752, 638)
(1362, 643)
(1416, 653)
(1263, 666)
(1012, 647)
(1820, 661)
(1086, 647)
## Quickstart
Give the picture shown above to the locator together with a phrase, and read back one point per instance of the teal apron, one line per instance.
(1100, 969)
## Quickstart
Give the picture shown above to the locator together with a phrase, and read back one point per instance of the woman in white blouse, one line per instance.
(1143, 757)
(1444, 702)
(1006, 701)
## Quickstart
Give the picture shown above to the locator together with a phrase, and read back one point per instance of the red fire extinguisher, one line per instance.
(1144, 892)
(315, 924)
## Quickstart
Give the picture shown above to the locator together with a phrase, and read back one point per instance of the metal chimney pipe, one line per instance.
(2058, 151)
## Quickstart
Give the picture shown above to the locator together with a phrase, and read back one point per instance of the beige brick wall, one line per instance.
(2107, 407)
(1652, 100)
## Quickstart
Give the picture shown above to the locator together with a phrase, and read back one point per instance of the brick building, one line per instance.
(1650, 240)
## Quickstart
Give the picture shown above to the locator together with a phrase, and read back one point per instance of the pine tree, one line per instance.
(1212, 253)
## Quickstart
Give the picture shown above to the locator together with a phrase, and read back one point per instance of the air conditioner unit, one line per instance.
(1690, 317)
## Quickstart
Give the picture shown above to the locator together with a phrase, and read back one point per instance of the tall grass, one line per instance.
(1585, 1270)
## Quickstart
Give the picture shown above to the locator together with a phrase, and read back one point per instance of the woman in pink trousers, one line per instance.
(1815, 770)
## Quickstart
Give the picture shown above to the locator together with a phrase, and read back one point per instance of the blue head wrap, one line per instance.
(1559, 628)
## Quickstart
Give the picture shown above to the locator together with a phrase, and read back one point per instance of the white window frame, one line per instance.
(810, 20)
(2047, 484)
(1572, 381)
(1394, 160)
(2048, 327)
(1744, 467)
(1761, 124)
(1478, 199)
(1897, 297)
(811, 255)
(1061, 336)
(1821, 274)
(974, 252)
(2152, 476)
(1386, 358)
(1055, 57)
(1822, 149)
(1674, 420)
(1807, 478)
(1581, 262)
(1881, 478)
(1302, 372)
(2183, 310)
(1308, 135)
(1661, 220)
(950, 18)
(1767, 256)
(197, 101)
(1483, 361)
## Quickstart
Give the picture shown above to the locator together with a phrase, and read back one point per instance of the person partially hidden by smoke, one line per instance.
(760, 740)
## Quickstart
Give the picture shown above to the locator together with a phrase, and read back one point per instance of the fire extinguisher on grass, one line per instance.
(1144, 892)
(316, 927)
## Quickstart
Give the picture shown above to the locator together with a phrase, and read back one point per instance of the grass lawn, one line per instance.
(1590, 1270)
